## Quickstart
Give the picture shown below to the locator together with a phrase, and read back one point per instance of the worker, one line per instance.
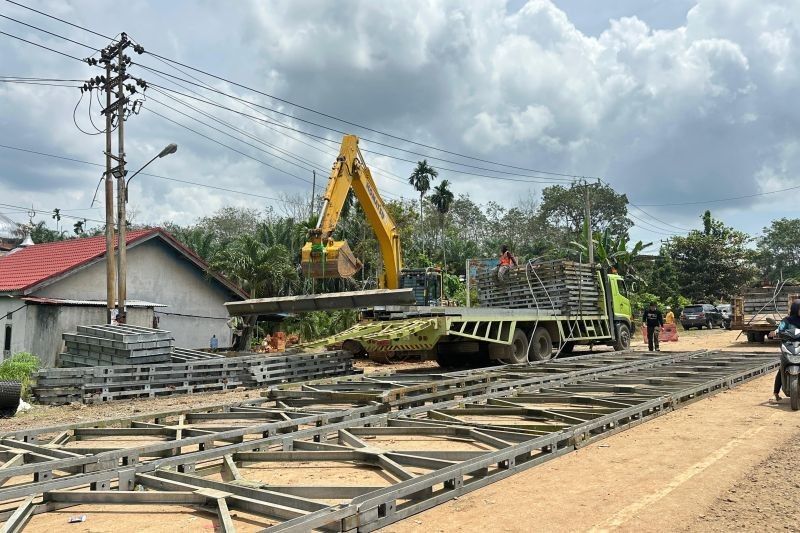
(793, 320)
(654, 321)
(507, 259)
(670, 318)
(214, 343)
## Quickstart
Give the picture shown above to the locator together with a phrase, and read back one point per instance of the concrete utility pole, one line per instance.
(588, 217)
(111, 281)
(113, 58)
(122, 265)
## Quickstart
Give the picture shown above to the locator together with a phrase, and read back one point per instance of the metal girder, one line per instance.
(514, 418)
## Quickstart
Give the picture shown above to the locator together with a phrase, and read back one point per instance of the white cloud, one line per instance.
(698, 111)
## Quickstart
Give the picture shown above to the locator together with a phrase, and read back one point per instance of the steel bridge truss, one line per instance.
(349, 454)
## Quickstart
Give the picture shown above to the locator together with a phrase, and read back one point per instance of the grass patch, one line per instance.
(20, 367)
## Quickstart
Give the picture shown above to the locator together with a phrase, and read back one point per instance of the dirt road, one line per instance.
(716, 465)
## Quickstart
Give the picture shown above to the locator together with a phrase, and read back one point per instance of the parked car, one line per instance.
(727, 314)
(699, 315)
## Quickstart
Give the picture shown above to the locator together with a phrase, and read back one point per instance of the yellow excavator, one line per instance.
(323, 257)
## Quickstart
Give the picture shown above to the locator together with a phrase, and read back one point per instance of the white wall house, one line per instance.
(49, 289)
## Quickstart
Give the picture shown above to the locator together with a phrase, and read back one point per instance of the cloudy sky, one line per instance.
(682, 104)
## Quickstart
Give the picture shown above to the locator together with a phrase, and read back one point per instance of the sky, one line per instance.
(683, 105)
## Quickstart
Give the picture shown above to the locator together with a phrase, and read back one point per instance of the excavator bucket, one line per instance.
(335, 260)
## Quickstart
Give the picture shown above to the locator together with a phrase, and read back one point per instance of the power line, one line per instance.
(175, 122)
(49, 212)
(60, 20)
(658, 219)
(42, 46)
(48, 32)
(326, 150)
(187, 182)
(567, 177)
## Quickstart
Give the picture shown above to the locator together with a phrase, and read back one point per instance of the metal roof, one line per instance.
(87, 303)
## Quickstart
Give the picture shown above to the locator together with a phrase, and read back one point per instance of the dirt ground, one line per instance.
(715, 465)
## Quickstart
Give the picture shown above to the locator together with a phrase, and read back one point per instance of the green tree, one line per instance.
(442, 199)
(712, 264)
(779, 250)
(614, 252)
(40, 233)
(421, 179)
(562, 211)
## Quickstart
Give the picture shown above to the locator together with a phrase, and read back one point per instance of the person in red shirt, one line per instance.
(507, 259)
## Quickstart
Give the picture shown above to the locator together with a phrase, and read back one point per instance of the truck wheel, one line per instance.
(515, 354)
(794, 392)
(751, 337)
(623, 341)
(541, 345)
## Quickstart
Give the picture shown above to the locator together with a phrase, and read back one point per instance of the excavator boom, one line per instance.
(322, 257)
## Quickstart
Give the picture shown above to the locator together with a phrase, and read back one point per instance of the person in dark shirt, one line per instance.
(654, 321)
(791, 321)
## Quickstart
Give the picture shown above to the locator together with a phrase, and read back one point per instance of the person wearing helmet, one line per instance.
(791, 321)
(670, 317)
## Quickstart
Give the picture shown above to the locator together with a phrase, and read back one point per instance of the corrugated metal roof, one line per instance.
(87, 303)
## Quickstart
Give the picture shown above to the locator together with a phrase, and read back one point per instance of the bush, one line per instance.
(20, 367)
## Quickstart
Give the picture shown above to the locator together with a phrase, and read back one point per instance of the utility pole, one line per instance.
(111, 277)
(313, 190)
(113, 58)
(588, 217)
(122, 264)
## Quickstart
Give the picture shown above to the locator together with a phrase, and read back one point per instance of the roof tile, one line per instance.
(35, 264)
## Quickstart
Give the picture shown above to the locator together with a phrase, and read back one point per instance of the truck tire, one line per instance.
(10, 392)
(794, 392)
(751, 337)
(623, 341)
(514, 354)
(541, 345)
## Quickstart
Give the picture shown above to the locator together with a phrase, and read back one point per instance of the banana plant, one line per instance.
(612, 251)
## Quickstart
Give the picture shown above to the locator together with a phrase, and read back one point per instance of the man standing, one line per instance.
(214, 344)
(653, 319)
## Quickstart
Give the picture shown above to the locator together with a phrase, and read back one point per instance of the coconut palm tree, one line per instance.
(442, 198)
(421, 180)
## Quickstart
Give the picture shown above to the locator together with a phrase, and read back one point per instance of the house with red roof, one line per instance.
(49, 289)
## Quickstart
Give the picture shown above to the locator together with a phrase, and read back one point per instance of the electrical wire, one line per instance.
(41, 46)
(47, 32)
(187, 182)
(59, 19)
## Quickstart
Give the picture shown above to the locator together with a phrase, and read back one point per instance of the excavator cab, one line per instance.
(427, 285)
(331, 259)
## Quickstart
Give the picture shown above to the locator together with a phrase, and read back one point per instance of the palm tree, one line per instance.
(442, 198)
(260, 269)
(421, 180)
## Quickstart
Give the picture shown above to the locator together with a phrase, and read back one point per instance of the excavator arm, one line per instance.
(322, 257)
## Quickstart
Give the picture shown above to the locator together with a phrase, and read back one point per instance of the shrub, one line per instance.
(20, 367)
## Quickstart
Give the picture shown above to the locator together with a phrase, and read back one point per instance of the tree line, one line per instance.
(260, 249)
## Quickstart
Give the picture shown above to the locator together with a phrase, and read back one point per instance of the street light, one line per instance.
(122, 263)
(171, 148)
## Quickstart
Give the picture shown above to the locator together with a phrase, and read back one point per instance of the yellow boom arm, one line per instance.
(322, 256)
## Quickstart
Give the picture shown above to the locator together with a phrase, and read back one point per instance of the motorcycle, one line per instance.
(790, 365)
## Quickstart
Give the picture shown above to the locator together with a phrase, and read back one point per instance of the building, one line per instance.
(48, 289)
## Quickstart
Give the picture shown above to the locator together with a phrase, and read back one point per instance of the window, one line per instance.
(621, 288)
(7, 340)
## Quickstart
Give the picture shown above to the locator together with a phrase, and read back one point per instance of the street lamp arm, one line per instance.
(169, 149)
